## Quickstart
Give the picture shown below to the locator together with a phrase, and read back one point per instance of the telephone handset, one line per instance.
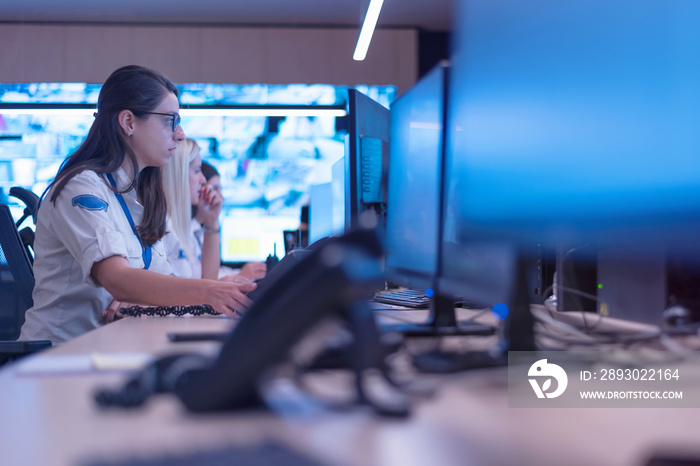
(333, 278)
(327, 279)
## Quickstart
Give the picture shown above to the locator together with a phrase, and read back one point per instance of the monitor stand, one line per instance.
(442, 322)
(517, 334)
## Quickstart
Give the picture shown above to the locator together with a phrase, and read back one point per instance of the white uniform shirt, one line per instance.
(86, 225)
(183, 266)
(188, 268)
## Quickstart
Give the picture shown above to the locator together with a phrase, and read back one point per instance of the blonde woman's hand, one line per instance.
(253, 270)
(209, 207)
(236, 279)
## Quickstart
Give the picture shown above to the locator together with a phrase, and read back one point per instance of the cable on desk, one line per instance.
(583, 313)
(548, 318)
(663, 337)
(478, 314)
(163, 311)
(586, 327)
(392, 316)
(589, 339)
(404, 320)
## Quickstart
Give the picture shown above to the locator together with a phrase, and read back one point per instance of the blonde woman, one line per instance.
(185, 186)
(193, 245)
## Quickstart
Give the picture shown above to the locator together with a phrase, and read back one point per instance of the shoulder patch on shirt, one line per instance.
(90, 202)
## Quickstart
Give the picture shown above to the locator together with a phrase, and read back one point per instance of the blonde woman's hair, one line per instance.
(176, 185)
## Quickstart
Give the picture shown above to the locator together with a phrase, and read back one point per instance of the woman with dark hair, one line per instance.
(249, 270)
(102, 218)
(211, 174)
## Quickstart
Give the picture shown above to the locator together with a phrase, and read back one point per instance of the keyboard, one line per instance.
(405, 298)
(267, 454)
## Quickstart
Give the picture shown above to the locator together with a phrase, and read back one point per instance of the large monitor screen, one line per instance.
(267, 163)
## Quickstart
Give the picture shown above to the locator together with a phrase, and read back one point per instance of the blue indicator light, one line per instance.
(429, 292)
(500, 310)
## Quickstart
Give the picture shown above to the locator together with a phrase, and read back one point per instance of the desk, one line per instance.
(52, 420)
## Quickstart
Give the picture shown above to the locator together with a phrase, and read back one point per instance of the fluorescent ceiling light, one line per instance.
(187, 110)
(367, 30)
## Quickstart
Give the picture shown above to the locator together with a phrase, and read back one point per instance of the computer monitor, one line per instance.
(320, 211)
(366, 159)
(414, 180)
(570, 123)
(414, 212)
(338, 196)
(577, 121)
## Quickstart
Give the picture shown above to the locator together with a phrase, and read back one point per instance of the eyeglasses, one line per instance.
(175, 118)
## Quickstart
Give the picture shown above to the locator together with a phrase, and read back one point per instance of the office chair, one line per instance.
(31, 201)
(16, 285)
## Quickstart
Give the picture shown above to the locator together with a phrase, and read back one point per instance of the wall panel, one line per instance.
(88, 53)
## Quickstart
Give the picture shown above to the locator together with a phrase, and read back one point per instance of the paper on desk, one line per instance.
(83, 363)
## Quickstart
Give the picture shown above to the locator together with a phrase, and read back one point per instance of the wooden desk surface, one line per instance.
(53, 420)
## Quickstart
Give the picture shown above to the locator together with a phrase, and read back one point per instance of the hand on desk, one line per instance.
(253, 270)
(230, 299)
(238, 278)
(228, 295)
(112, 312)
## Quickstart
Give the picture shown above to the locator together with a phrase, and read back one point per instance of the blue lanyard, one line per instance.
(146, 250)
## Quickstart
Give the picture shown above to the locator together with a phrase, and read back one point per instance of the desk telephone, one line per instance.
(334, 278)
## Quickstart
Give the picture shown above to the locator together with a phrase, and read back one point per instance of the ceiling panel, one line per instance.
(431, 15)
